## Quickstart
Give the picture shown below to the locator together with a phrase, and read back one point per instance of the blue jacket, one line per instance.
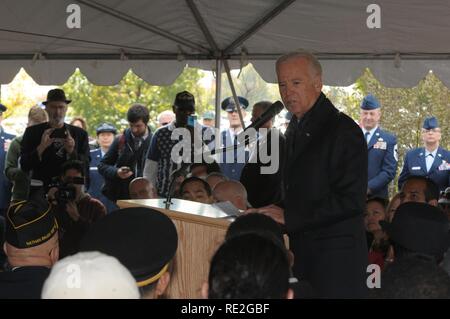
(415, 165)
(97, 181)
(382, 159)
(232, 167)
(5, 184)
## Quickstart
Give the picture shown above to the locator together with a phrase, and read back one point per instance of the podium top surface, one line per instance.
(182, 209)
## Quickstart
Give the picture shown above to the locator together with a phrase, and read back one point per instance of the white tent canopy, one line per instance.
(157, 38)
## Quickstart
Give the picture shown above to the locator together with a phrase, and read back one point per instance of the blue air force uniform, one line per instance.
(438, 167)
(5, 184)
(97, 180)
(382, 154)
(232, 161)
(382, 159)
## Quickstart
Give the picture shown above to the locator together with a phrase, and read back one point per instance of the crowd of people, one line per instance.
(329, 196)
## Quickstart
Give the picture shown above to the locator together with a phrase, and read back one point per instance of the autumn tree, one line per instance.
(403, 109)
(249, 84)
(110, 103)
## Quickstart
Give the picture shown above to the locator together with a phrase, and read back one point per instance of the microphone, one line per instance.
(273, 110)
(184, 167)
(181, 171)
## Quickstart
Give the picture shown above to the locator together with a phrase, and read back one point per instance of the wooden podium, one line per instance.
(201, 230)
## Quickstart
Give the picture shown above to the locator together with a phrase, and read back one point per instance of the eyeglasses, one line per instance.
(433, 130)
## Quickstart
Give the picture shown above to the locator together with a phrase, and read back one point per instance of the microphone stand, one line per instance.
(179, 172)
(184, 167)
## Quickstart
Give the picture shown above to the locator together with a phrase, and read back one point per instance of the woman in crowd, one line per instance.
(377, 240)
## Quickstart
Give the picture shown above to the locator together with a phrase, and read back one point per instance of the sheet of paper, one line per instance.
(228, 208)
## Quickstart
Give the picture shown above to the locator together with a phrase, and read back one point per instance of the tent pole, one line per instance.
(143, 25)
(218, 90)
(233, 91)
(258, 25)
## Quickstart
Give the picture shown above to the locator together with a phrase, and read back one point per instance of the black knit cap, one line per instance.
(144, 240)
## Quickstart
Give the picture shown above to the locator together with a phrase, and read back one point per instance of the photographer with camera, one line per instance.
(75, 209)
(46, 147)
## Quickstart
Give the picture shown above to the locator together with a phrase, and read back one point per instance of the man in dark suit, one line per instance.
(325, 184)
(381, 146)
(5, 184)
(47, 146)
(431, 161)
(264, 187)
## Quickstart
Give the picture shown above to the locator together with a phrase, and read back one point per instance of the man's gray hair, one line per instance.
(166, 112)
(312, 60)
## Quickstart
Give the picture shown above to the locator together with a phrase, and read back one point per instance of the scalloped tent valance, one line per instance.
(158, 38)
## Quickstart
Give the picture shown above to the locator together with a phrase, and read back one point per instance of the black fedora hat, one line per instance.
(56, 95)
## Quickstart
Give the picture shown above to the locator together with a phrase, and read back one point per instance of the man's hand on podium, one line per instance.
(273, 211)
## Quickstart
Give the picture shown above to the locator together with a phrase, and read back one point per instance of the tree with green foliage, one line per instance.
(99, 104)
(249, 84)
(403, 109)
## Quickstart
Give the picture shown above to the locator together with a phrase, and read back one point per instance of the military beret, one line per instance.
(370, 102)
(106, 127)
(430, 123)
(184, 100)
(30, 223)
(2, 108)
(144, 240)
(419, 227)
(229, 105)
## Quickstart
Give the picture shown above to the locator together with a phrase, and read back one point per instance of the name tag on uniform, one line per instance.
(380, 145)
(415, 168)
(444, 166)
(93, 168)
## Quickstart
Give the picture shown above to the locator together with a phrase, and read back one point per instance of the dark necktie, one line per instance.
(367, 134)
(429, 161)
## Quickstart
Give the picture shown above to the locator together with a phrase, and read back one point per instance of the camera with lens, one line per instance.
(66, 192)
